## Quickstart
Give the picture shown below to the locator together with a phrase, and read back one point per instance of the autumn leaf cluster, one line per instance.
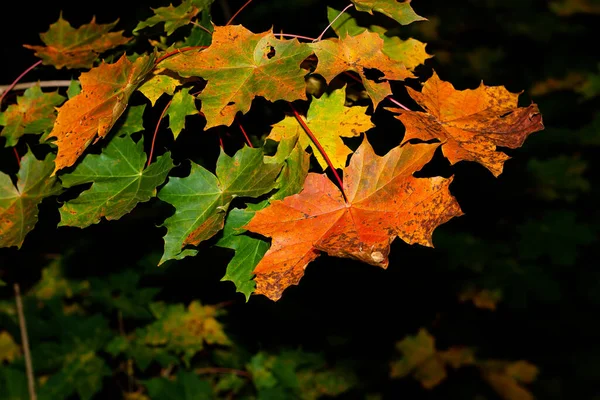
(284, 198)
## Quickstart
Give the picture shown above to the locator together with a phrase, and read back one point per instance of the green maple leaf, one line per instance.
(248, 251)
(240, 65)
(174, 17)
(296, 163)
(34, 113)
(402, 12)
(76, 48)
(119, 182)
(186, 386)
(132, 121)
(182, 105)
(19, 205)
(183, 331)
(201, 199)
(329, 120)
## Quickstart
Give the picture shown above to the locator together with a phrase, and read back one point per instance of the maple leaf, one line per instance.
(359, 53)
(19, 205)
(470, 123)
(328, 119)
(240, 65)
(428, 365)
(411, 52)
(105, 92)
(34, 113)
(296, 163)
(248, 251)
(119, 182)
(201, 199)
(384, 201)
(174, 17)
(401, 11)
(182, 105)
(159, 84)
(76, 48)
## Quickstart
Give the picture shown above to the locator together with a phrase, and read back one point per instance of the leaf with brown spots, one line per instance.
(19, 205)
(470, 123)
(105, 92)
(359, 53)
(240, 65)
(76, 48)
(385, 201)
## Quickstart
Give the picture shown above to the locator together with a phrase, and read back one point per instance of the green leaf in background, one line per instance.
(54, 284)
(559, 178)
(131, 122)
(186, 386)
(9, 350)
(74, 88)
(19, 205)
(34, 113)
(248, 251)
(182, 331)
(119, 182)
(122, 292)
(201, 199)
(402, 11)
(13, 383)
(181, 106)
(2, 283)
(557, 236)
(174, 17)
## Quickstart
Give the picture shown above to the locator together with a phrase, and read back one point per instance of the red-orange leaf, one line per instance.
(470, 123)
(76, 48)
(105, 92)
(358, 53)
(385, 201)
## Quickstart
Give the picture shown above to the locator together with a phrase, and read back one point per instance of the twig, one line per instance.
(18, 79)
(156, 132)
(320, 148)
(25, 341)
(27, 85)
(335, 19)
(237, 12)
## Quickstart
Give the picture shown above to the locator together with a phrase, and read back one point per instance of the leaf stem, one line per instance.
(331, 23)
(320, 148)
(244, 132)
(295, 36)
(177, 51)
(27, 85)
(25, 342)
(156, 132)
(237, 12)
(18, 79)
(17, 156)
(396, 102)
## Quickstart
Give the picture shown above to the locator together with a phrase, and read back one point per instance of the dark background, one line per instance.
(511, 237)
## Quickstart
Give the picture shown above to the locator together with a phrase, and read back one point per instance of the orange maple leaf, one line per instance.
(68, 47)
(105, 92)
(385, 201)
(358, 53)
(470, 123)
